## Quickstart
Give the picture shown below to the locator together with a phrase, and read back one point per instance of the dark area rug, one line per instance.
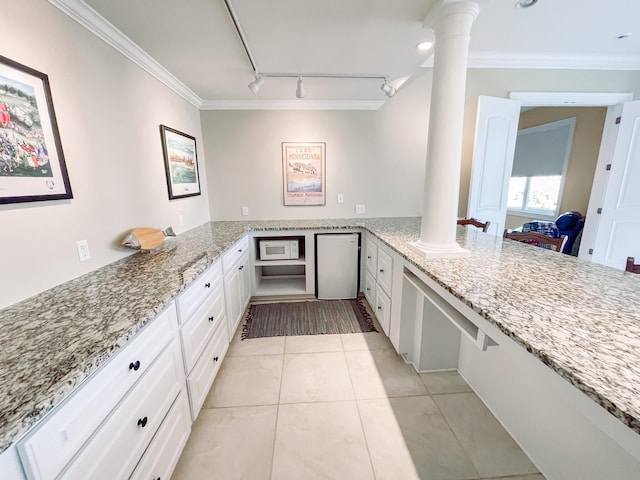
(307, 318)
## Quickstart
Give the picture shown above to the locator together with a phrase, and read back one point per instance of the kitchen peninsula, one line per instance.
(575, 320)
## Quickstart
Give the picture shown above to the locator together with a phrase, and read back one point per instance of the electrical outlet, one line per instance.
(245, 211)
(181, 220)
(83, 250)
(340, 198)
(359, 209)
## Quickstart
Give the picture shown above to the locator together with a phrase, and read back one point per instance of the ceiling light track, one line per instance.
(255, 85)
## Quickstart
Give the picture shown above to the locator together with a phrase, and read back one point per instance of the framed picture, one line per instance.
(180, 163)
(32, 166)
(303, 170)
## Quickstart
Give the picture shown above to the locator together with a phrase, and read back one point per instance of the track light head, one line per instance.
(300, 93)
(256, 84)
(388, 90)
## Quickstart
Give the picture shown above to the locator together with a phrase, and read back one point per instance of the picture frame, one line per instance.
(32, 164)
(303, 173)
(180, 163)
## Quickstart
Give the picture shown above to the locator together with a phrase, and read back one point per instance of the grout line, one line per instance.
(275, 430)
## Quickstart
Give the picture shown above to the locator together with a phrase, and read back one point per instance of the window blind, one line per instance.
(542, 150)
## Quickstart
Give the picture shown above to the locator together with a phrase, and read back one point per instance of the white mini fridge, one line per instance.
(337, 265)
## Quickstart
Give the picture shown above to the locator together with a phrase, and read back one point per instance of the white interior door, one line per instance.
(495, 143)
(618, 235)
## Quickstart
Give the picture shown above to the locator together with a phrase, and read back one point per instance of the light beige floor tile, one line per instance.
(409, 439)
(488, 445)
(243, 381)
(256, 346)
(315, 377)
(229, 443)
(445, 382)
(365, 341)
(313, 344)
(320, 441)
(382, 373)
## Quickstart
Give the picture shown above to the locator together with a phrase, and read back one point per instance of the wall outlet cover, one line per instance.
(83, 250)
(245, 211)
(359, 209)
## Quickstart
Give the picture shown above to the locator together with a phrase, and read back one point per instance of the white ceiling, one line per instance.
(197, 43)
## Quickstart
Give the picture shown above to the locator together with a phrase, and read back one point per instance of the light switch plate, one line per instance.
(340, 198)
(359, 209)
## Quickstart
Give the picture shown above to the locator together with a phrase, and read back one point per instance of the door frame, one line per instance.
(613, 101)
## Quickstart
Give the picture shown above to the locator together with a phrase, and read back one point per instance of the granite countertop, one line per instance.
(580, 319)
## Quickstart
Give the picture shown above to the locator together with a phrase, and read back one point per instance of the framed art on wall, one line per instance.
(32, 166)
(180, 163)
(303, 170)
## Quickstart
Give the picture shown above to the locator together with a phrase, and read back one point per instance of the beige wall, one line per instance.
(375, 158)
(584, 153)
(109, 112)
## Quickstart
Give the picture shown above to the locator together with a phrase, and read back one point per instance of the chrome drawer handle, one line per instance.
(142, 422)
(134, 365)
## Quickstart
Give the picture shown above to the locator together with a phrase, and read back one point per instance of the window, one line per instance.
(536, 195)
(539, 167)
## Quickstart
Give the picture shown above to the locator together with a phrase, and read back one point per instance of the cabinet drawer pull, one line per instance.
(379, 308)
(142, 422)
(369, 257)
(134, 365)
(240, 267)
(368, 289)
(240, 251)
(211, 319)
(382, 270)
(207, 285)
(215, 359)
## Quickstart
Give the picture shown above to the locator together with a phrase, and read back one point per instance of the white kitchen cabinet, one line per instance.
(379, 282)
(10, 466)
(118, 445)
(166, 447)
(51, 444)
(237, 282)
(204, 332)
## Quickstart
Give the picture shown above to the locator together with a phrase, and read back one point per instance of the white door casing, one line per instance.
(495, 143)
(618, 235)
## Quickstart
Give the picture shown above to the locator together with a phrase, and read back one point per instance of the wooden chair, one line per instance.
(474, 222)
(632, 267)
(536, 239)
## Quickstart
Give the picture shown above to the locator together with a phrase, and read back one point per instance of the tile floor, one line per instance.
(343, 407)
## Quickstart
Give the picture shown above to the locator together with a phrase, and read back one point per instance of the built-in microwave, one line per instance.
(279, 249)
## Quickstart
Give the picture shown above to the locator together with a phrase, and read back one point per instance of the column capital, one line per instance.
(445, 8)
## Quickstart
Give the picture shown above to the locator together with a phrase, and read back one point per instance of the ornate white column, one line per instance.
(451, 21)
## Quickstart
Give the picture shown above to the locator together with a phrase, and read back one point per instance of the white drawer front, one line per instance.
(52, 444)
(166, 447)
(201, 378)
(383, 310)
(197, 293)
(201, 326)
(372, 256)
(370, 288)
(119, 443)
(385, 270)
(234, 253)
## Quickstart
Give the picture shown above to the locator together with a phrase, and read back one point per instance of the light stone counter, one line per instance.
(580, 319)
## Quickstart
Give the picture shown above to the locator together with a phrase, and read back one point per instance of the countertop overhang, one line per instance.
(579, 318)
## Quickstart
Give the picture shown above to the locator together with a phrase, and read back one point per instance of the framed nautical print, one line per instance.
(303, 170)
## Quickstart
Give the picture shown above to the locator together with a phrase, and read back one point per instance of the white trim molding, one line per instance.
(545, 62)
(291, 104)
(99, 26)
(570, 99)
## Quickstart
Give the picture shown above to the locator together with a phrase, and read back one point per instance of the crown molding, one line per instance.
(554, 62)
(570, 99)
(291, 104)
(99, 26)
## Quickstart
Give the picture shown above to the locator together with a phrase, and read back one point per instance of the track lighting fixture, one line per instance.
(256, 84)
(300, 93)
(388, 90)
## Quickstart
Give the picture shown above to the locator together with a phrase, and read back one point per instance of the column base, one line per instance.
(435, 250)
